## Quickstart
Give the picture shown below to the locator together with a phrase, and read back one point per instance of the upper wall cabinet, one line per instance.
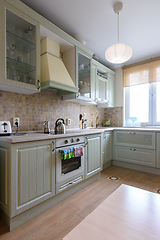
(104, 79)
(19, 51)
(79, 66)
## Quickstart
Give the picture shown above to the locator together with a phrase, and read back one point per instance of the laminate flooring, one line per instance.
(59, 220)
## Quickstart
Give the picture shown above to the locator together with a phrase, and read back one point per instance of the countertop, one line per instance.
(39, 135)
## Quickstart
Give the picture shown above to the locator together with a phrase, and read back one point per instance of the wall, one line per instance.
(34, 109)
(115, 115)
(118, 87)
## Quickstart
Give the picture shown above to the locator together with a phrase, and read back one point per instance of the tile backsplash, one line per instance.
(34, 109)
(115, 115)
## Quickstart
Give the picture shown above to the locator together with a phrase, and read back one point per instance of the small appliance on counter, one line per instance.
(46, 126)
(5, 128)
(60, 126)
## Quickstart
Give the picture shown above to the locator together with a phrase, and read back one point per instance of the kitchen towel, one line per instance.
(78, 151)
(67, 153)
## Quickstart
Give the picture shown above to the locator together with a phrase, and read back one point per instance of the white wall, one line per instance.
(118, 87)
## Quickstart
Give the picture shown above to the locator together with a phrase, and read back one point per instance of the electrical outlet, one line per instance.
(68, 121)
(14, 122)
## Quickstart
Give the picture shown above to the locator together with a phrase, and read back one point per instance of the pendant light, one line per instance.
(120, 52)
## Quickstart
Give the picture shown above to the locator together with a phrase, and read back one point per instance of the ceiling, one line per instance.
(95, 22)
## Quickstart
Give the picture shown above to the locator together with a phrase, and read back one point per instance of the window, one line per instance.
(142, 94)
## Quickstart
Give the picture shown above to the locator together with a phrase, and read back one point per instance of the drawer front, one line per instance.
(135, 139)
(135, 155)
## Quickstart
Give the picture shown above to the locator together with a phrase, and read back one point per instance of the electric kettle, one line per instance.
(60, 126)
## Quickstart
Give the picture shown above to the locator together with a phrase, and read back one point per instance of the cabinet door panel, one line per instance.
(94, 163)
(107, 146)
(3, 177)
(34, 165)
(20, 51)
(135, 155)
(158, 151)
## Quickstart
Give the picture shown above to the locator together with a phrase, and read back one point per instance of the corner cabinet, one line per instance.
(19, 51)
(93, 154)
(29, 173)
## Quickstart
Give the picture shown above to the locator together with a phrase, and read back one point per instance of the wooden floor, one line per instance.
(58, 221)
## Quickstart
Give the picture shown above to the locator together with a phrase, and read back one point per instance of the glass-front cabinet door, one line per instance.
(84, 82)
(21, 51)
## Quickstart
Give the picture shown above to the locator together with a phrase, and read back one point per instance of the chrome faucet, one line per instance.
(97, 124)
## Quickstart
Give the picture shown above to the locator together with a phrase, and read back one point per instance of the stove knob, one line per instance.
(72, 140)
(77, 140)
(66, 141)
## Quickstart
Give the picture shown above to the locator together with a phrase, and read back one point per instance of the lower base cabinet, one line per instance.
(29, 173)
(93, 154)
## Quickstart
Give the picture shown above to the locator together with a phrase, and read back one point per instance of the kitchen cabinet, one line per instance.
(81, 73)
(29, 172)
(136, 147)
(104, 88)
(19, 50)
(93, 154)
(110, 97)
(107, 146)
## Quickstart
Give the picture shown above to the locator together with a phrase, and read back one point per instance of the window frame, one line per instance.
(152, 106)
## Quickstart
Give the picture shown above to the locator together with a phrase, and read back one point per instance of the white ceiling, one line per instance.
(95, 22)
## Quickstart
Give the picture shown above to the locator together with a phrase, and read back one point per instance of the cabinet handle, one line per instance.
(39, 84)
(132, 133)
(133, 149)
(85, 142)
(53, 146)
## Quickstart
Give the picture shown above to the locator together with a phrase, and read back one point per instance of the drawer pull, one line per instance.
(133, 149)
(132, 132)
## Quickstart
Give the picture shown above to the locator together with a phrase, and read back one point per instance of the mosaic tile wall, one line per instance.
(34, 109)
(115, 115)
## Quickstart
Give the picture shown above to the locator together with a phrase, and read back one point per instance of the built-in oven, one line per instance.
(69, 170)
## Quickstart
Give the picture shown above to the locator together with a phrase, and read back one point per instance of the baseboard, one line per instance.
(107, 164)
(36, 210)
(136, 167)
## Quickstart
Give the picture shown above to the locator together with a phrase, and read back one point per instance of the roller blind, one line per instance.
(141, 73)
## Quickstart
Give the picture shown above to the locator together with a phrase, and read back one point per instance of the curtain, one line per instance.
(144, 72)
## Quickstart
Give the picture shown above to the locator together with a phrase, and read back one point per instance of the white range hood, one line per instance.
(53, 71)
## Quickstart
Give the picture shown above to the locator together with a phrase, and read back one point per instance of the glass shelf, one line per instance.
(21, 44)
(19, 66)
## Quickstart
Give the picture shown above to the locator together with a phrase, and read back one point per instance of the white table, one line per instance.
(128, 213)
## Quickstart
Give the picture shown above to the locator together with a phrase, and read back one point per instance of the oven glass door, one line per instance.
(68, 168)
(69, 165)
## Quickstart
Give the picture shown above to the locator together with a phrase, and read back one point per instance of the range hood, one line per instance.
(53, 71)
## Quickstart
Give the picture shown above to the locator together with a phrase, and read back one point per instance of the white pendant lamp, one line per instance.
(120, 52)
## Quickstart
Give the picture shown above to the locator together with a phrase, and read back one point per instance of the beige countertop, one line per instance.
(39, 135)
